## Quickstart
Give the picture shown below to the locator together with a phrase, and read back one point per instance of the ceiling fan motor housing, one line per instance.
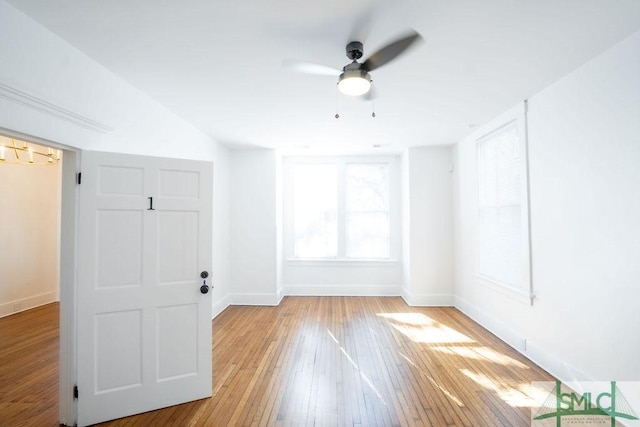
(354, 51)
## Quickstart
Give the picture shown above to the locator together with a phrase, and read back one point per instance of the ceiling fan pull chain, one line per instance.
(337, 116)
(373, 102)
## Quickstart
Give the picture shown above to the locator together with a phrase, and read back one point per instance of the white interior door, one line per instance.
(144, 326)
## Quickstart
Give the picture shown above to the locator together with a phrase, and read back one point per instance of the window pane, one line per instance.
(315, 211)
(487, 175)
(368, 235)
(367, 187)
(367, 216)
(499, 254)
(500, 232)
(508, 167)
(499, 168)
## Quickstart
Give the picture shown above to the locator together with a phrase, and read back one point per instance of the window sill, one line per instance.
(314, 262)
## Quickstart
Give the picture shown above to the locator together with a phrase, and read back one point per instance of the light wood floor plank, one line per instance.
(317, 361)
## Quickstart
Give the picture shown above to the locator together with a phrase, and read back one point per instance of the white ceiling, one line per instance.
(219, 64)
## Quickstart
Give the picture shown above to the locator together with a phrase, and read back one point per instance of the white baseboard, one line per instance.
(245, 299)
(23, 304)
(254, 299)
(219, 306)
(542, 357)
(341, 290)
(427, 300)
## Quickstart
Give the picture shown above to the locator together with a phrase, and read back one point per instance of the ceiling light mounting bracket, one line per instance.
(354, 50)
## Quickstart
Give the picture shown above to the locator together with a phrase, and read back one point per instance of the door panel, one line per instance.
(144, 327)
(175, 183)
(123, 181)
(178, 254)
(177, 325)
(119, 248)
(118, 338)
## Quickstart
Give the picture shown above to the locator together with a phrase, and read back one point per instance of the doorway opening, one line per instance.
(37, 250)
(30, 189)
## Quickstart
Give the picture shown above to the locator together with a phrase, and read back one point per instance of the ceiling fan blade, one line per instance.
(310, 68)
(362, 26)
(368, 18)
(391, 51)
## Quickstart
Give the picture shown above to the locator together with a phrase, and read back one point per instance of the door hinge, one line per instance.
(75, 391)
(79, 178)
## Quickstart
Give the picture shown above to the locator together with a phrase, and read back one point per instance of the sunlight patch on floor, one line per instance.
(481, 353)
(422, 329)
(522, 395)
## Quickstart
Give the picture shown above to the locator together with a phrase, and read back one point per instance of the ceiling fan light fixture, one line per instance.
(354, 82)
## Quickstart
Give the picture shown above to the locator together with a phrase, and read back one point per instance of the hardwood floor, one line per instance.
(29, 367)
(330, 361)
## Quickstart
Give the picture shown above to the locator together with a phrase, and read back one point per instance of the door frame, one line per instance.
(67, 274)
(68, 413)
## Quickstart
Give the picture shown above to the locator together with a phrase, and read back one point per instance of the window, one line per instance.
(339, 208)
(502, 220)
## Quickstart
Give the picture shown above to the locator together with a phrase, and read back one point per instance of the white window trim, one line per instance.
(289, 163)
(524, 293)
(325, 262)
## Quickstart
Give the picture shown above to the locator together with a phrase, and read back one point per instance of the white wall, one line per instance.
(406, 220)
(428, 229)
(584, 153)
(279, 228)
(51, 90)
(342, 278)
(29, 236)
(423, 274)
(221, 274)
(254, 275)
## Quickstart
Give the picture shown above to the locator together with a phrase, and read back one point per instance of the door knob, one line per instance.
(204, 289)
